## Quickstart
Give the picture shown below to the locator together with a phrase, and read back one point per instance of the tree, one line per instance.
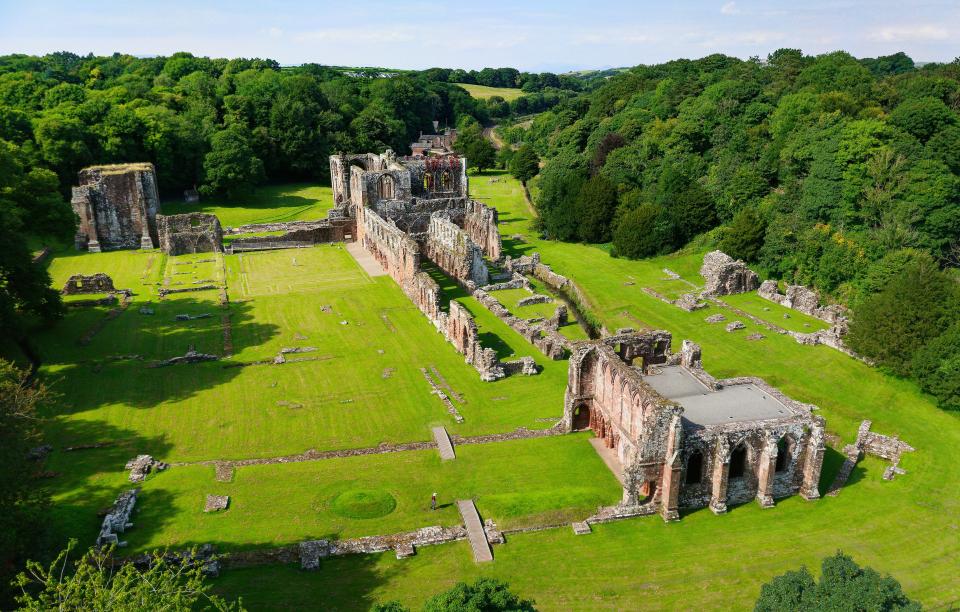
(23, 505)
(843, 585)
(472, 145)
(636, 233)
(231, 167)
(484, 595)
(596, 204)
(93, 582)
(937, 368)
(912, 309)
(24, 286)
(743, 238)
(525, 163)
(922, 117)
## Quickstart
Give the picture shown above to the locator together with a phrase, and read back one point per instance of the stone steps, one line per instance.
(475, 531)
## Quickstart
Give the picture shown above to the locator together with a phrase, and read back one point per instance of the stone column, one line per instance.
(670, 487)
(813, 461)
(766, 469)
(721, 472)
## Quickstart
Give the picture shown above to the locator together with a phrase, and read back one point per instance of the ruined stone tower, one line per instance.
(117, 206)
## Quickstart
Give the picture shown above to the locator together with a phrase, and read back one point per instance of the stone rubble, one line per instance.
(117, 519)
(216, 503)
(726, 276)
(141, 465)
(735, 325)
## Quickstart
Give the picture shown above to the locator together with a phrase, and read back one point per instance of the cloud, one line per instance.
(909, 33)
(730, 8)
(357, 35)
(274, 32)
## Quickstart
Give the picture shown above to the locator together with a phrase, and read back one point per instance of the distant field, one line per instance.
(484, 92)
(268, 204)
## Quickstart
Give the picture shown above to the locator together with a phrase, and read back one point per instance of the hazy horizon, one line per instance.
(535, 36)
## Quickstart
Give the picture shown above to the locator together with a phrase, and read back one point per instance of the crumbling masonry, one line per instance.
(408, 211)
(190, 233)
(117, 206)
(684, 438)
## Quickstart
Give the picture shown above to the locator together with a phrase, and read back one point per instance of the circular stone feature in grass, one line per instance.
(363, 503)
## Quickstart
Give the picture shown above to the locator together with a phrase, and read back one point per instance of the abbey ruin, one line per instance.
(685, 439)
(117, 206)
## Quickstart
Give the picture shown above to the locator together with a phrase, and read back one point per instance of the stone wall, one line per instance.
(117, 519)
(80, 284)
(190, 233)
(297, 234)
(451, 249)
(550, 342)
(726, 276)
(802, 299)
(117, 207)
(886, 447)
(481, 223)
(673, 462)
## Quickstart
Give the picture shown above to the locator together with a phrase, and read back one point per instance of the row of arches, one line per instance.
(786, 447)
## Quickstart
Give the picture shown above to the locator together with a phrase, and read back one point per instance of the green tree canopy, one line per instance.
(843, 585)
(231, 167)
(525, 163)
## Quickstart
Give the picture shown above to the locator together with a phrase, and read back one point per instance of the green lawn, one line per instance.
(269, 204)
(484, 92)
(366, 388)
(515, 483)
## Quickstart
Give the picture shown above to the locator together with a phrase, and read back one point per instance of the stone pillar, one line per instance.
(670, 485)
(813, 461)
(721, 472)
(766, 469)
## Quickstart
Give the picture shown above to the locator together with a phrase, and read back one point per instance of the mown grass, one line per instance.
(513, 483)
(268, 204)
(484, 92)
(909, 527)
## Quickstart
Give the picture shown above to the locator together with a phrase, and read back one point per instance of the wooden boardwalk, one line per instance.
(475, 531)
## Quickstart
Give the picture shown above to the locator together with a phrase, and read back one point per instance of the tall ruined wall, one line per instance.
(397, 253)
(452, 251)
(481, 223)
(413, 215)
(400, 256)
(190, 233)
(117, 207)
(725, 276)
(634, 416)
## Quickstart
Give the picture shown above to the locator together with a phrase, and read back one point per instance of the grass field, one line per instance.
(268, 204)
(909, 527)
(517, 483)
(365, 387)
(484, 92)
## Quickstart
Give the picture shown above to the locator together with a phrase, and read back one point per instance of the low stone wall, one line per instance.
(298, 234)
(548, 341)
(80, 284)
(117, 519)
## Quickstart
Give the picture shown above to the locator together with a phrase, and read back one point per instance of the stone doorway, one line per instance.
(581, 417)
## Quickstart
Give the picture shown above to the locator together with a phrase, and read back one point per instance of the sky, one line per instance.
(556, 35)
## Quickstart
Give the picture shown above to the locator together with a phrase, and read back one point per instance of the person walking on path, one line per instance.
(433, 502)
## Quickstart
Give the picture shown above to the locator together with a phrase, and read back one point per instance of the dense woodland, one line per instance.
(828, 171)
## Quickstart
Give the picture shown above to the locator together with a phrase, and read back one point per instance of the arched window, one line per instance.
(738, 462)
(694, 468)
(784, 453)
(446, 181)
(385, 187)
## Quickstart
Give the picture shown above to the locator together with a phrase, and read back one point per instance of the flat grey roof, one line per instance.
(702, 406)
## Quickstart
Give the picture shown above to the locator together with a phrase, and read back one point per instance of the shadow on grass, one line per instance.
(88, 480)
(114, 368)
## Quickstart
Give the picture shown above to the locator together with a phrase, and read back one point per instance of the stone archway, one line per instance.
(581, 417)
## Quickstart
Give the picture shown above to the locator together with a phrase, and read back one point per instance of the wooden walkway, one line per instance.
(444, 445)
(475, 531)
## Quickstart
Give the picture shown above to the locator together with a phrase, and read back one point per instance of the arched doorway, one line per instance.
(581, 417)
